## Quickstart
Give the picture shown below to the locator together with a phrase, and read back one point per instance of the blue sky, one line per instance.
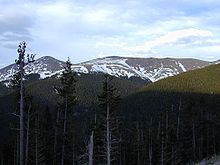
(87, 29)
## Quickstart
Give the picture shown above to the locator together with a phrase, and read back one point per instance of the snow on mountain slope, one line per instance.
(152, 69)
(44, 66)
(217, 62)
(146, 68)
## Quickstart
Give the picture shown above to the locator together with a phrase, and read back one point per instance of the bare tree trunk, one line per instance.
(150, 143)
(207, 143)
(15, 152)
(36, 150)
(194, 141)
(138, 144)
(36, 138)
(120, 150)
(167, 125)
(55, 139)
(201, 147)
(64, 132)
(108, 147)
(162, 143)
(214, 141)
(178, 119)
(173, 156)
(108, 137)
(17, 156)
(91, 148)
(2, 159)
(162, 150)
(27, 135)
(21, 112)
(73, 156)
(158, 131)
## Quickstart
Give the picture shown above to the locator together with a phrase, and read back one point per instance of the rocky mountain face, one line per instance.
(152, 69)
(45, 66)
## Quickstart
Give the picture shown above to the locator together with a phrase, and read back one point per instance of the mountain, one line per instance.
(45, 66)
(152, 69)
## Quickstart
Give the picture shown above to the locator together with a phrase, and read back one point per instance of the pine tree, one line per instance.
(67, 92)
(23, 59)
(108, 99)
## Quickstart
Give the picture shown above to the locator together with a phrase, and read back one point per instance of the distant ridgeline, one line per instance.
(149, 69)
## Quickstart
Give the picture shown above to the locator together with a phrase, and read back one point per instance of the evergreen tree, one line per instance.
(108, 100)
(67, 92)
(23, 59)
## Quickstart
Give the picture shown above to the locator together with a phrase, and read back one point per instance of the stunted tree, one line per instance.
(91, 148)
(22, 60)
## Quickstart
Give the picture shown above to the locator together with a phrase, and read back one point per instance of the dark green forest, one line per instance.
(98, 119)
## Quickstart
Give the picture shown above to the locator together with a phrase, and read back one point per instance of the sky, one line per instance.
(89, 29)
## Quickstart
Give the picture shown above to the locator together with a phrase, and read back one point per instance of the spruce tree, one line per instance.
(22, 60)
(108, 99)
(67, 92)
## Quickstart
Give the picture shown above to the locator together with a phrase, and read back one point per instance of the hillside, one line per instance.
(193, 87)
(206, 80)
(188, 102)
(43, 90)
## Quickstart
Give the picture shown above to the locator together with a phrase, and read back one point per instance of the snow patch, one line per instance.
(182, 67)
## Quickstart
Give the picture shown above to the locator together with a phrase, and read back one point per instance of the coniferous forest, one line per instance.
(98, 119)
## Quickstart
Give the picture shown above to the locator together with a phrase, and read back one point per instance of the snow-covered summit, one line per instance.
(152, 69)
(45, 66)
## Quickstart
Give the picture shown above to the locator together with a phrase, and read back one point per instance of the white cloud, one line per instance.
(98, 16)
(170, 38)
(178, 43)
(83, 29)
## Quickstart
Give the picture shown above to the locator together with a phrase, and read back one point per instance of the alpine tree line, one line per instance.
(107, 132)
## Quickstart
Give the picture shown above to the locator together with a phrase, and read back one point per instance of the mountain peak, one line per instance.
(152, 69)
(46, 58)
(45, 66)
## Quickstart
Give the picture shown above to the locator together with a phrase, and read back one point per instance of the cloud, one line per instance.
(175, 36)
(178, 43)
(172, 38)
(15, 24)
(87, 29)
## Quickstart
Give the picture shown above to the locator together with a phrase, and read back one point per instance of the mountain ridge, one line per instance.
(149, 69)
